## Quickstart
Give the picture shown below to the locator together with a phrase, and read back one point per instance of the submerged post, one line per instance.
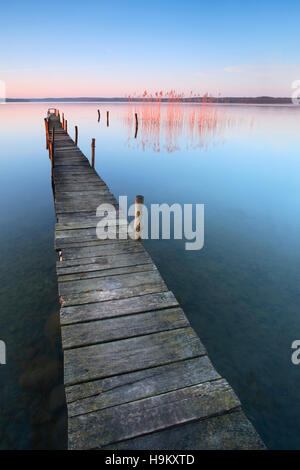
(139, 203)
(98, 115)
(93, 153)
(76, 135)
(107, 118)
(136, 125)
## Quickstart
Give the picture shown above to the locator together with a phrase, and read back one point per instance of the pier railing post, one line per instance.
(66, 126)
(93, 145)
(47, 132)
(139, 204)
(63, 121)
(76, 135)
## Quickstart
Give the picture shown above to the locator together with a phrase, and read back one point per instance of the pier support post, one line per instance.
(93, 153)
(139, 204)
(76, 135)
(136, 125)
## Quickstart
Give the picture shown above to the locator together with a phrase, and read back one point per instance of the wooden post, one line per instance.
(63, 121)
(136, 125)
(53, 134)
(50, 150)
(98, 115)
(93, 153)
(52, 161)
(66, 126)
(107, 118)
(47, 132)
(139, 202)
(76, 135)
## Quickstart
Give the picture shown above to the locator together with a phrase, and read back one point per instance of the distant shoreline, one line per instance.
(225, 100)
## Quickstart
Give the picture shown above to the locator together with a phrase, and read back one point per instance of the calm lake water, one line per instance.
(240, 292)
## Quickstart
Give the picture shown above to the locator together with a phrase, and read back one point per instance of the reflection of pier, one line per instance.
(136, 374)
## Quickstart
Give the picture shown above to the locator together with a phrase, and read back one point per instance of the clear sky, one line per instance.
(112, 48)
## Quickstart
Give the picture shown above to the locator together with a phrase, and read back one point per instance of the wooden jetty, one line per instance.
(136, 374)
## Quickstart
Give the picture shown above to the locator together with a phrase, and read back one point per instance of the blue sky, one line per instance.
(112, 48)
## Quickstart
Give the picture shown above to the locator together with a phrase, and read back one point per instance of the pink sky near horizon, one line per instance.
(229, 81)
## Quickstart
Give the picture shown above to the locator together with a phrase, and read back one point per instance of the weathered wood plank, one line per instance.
(142, 268)
(231, 431)
(116, 308)
(127, 355)
(112, 294)
(151, 414)
(108, 283)
(111, 248)
(99, 394)
(64, 268)
(100, 331)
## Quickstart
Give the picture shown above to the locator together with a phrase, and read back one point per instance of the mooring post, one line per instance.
(139, 203)
(98, 115)
(66, 126)
(93, 153)
(107, 118)
(76, 135)
(47, 132)
(136, 125)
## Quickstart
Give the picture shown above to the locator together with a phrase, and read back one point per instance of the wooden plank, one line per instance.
(116, 308)
(141, 268)
(99, 394)
(64, 268)
(117, 423)
(127, 355)
(70, 194)
(87, 223)
(108, 283)
(84, 216)
(112, 294)
(100, 331)
(231, 431)
(111, 248)
(63, 244)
